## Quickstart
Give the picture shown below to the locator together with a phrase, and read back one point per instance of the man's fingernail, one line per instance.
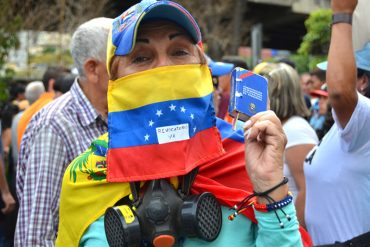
(247, 133)
(247, 124)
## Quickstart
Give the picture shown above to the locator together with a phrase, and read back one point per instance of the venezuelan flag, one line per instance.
(161, 123)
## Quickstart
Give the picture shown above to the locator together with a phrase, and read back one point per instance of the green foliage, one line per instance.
(4, 84)
(52, 58)
(10, 24)
(315, 43)
(317, 39)
(49, 49)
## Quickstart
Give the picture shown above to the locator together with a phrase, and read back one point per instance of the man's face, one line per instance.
(103, 76)
(316, 82)
(306, 83)
(224, 83)
(362, 84)
(159, 43)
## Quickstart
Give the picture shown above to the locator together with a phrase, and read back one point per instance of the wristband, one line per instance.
(275, 205)
(341, 18)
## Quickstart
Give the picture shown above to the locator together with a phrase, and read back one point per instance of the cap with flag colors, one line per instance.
(124, 27)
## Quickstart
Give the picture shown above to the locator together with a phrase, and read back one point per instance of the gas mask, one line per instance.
(163, 217)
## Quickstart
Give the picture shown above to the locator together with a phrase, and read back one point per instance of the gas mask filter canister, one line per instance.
(163, 217)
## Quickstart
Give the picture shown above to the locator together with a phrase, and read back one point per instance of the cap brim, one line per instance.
(220, 68)
(318, 93)
(363, 58)
(323, 65)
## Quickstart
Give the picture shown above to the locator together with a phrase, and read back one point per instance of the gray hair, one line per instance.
(90, 41)
(286, 97)
(33, 91)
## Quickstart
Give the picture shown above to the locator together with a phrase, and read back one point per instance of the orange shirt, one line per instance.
(30, 111)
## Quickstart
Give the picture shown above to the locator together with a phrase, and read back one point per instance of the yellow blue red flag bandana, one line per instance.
(161, 123)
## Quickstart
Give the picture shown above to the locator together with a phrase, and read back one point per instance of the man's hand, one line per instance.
(343, 6)
(264, 149)
(9, 202)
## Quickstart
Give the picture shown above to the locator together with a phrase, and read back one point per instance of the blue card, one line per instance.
(248, 94)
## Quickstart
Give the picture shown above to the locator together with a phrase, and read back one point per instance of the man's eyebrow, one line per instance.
(174, 35)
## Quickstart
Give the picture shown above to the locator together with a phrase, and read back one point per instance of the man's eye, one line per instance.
(180, 53)
(140, 59)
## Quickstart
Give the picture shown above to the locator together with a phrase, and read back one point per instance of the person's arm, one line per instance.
(6, 196)
(264, 149)
(341, 72)
(295, 157)
(38, 213)
(6, 140)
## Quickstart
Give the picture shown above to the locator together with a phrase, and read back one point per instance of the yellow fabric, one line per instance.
(259, 67)
(86, 194)
(85, 189)
(120, 97)
(111, 49)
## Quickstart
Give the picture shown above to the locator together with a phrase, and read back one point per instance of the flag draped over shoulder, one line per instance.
(86, 193)
(161, 123)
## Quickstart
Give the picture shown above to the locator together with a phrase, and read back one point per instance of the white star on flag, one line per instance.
(192, 116)
(151, 123)
(194, 129)
(146, 137)
(172, 107)
(183, 109)
(159, 113)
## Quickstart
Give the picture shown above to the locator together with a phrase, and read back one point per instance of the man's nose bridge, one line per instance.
(164, 60)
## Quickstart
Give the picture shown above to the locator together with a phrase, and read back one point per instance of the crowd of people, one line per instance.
(148, 111)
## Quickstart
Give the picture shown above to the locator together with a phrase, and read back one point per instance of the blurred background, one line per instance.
(36, 34)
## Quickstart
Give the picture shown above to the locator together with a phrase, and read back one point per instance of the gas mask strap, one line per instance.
(135, 188)
(188, 180)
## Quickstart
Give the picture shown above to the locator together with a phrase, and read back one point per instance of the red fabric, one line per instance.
(227, 179)
(173, 159)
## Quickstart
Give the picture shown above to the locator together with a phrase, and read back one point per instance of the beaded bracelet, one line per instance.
(250, 201)
(273, 206)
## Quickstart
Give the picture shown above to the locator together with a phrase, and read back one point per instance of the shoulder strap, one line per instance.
(188, 180)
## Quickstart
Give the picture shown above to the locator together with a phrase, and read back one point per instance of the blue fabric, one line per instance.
(124, 27)
(240, 232)
(317, 122)
(227, 132)
(199, 116)
(362, 59)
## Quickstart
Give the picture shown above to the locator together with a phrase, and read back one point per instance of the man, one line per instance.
(160, 104)
(317, 79)
(305, 79)
(33, 91)
(48, 80)
(58, 133)
(338, 172)
(7, 202)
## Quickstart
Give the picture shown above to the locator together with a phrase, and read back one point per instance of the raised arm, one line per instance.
(341, 73)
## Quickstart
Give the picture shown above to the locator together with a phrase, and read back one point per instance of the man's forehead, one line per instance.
(169, 27)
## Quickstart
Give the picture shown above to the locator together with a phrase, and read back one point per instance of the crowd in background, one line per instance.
(25, 99)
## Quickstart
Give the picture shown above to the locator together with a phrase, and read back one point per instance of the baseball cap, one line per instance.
(320, 92)
(362, 59)
(219, 68)
(124, 28)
